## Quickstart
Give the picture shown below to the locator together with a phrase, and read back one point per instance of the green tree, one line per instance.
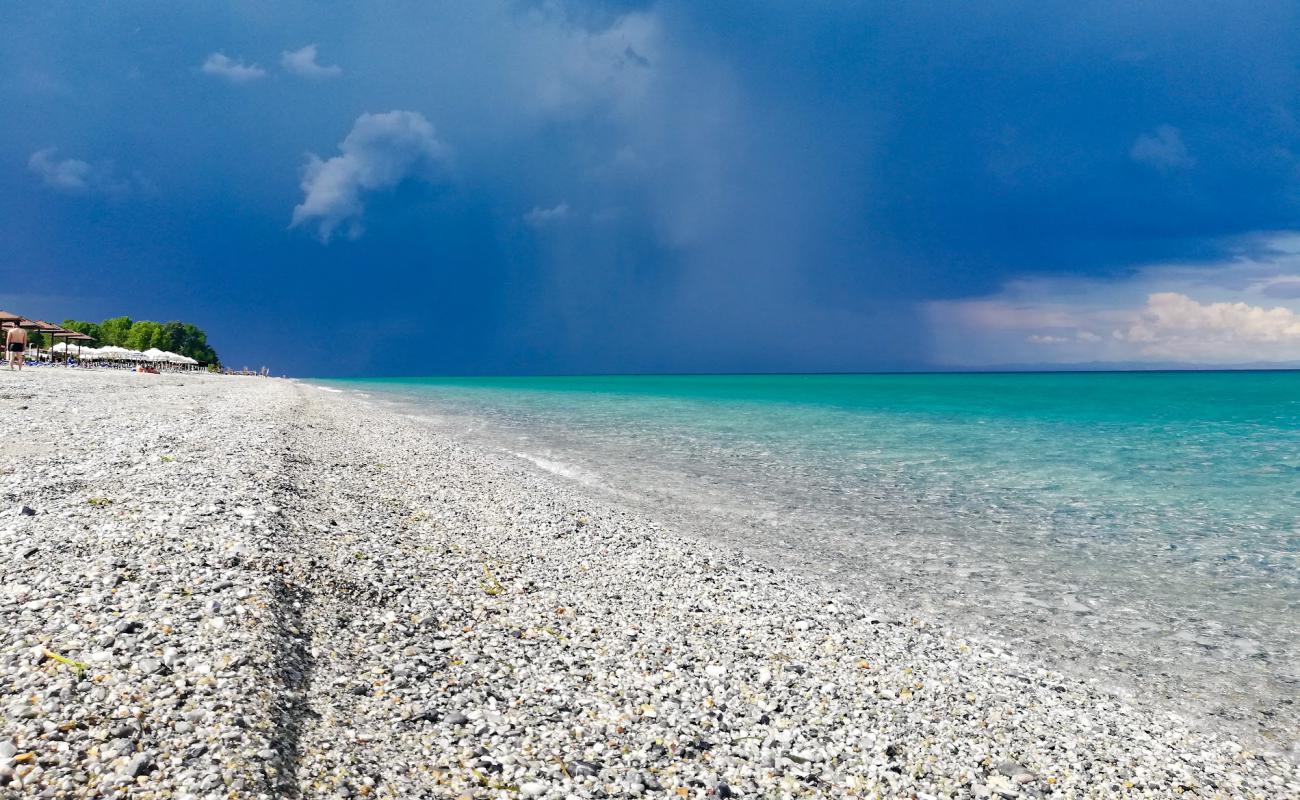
(114, 331)
(176, 337)
(141, 334)
(171, 337)
(194, 343)
(91, 329)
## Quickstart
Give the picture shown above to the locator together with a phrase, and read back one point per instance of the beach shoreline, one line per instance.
(255, 586)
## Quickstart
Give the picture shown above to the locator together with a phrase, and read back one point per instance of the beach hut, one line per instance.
(43, 327)
(9, 320)
(75, 345)
(72, 342)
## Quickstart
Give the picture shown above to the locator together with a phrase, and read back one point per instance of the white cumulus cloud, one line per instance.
(303, 62)
(541, 217)
(585, 69)
(235, 71)
(1243, 310)
(75, 176)
(380, 152)
(1176, 326)
(1162, 149)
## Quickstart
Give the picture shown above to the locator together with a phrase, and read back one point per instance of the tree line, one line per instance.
(142, 334)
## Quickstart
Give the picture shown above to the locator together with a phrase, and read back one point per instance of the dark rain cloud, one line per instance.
(744, 186)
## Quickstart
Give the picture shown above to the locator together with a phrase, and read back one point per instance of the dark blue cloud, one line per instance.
(743, 186)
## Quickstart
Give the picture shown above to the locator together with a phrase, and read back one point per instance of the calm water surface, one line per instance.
(1139, 528)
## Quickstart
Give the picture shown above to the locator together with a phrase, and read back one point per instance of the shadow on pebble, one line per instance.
(294, 662)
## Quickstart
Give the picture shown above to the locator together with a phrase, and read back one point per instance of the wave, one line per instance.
(563, 470)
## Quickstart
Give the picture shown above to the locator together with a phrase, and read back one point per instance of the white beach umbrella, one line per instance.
(154, 354)
(113, 353)
(135, 355)
(63, 347)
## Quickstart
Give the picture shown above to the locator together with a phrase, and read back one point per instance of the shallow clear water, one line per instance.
(1140, 528)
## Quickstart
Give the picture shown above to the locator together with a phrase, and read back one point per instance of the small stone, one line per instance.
(532, 789)
(455, 718)
(427, 715)
(27, 511)
(136, 766)
(584, 768)
(1015, 772)
(149, 665)
(441, 644)
(1002, 786)
(123, 731)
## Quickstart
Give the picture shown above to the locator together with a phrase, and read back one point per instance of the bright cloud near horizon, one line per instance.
(658, 185)
(1243, 311)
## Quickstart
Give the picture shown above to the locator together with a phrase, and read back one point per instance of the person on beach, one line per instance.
(15, 346)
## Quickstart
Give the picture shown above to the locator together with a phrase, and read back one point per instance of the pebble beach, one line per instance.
(257, 588)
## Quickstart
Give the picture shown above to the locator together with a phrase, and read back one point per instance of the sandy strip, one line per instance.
(244, 587)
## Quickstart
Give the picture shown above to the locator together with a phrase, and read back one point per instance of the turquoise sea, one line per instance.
(1142, 528)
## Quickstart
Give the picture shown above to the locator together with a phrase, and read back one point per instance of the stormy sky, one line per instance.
(550, 186)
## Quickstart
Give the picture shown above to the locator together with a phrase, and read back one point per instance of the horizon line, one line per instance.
(1007, 370)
